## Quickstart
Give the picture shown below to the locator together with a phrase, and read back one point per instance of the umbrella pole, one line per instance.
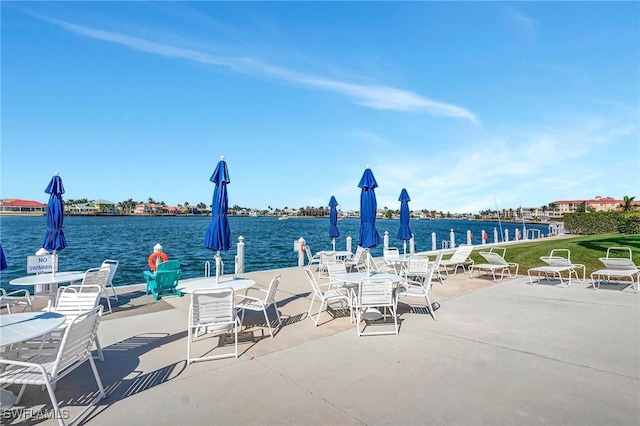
(217, 257)
(54, 258)
(333, 242)
(368, 263)
(404, 246)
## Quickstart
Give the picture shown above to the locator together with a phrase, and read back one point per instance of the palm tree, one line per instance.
(627, 206)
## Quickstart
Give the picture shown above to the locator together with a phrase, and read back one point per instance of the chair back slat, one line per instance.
(97, 276)
(336, 268)
(213, 308)
(74, 300)
(417, 265)
(273, 289)
(375, 292)
(113, 267)
(462, 253)
(314, 284)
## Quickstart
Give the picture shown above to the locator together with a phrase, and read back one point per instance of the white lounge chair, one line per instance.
(459, 258)
(495, 263)
(617, 267)
(557, 262)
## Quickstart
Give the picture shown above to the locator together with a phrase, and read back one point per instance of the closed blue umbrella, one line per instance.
(333, 221)
(404, 232)
(369, 236)
(218, 236)
(3, 260)
(54, 240)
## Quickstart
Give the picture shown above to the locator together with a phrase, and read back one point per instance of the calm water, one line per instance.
(268, 241)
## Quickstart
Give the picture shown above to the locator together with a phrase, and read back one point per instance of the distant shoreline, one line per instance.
(38, 214)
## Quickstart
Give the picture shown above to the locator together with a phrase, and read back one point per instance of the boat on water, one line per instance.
(283, 217)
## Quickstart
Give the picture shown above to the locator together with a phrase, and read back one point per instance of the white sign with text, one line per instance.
(40, 264)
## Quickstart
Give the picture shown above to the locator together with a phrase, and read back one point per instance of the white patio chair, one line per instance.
(212, 311)
(113, 268)
(99, 277)
(326, 298)
(46, 370)
(73, 301)
(373, 295)
(459, 258)
(558, 261)
(391, 258)
(417, 268)
(373, 266)
(334, 269)
(419, 289)
(436, 265)
(312, 259)
(495, 263)
(255, 304)
(616, 266)
(357, 261)
(326, 258)
(14, 299)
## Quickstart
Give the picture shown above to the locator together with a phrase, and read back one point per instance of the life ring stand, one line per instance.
(151, 261)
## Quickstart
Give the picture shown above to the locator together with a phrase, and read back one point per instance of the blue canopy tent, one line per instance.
(54, 239)
(404, 232)
(218, 236)
(333, 221)
(369, 236)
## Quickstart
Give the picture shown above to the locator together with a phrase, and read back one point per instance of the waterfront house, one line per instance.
(15, 206)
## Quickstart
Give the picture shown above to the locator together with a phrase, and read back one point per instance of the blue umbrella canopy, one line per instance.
(218, 236)
(54, 240)
(404, 232)
(369, 236)
(333, 218)
(3, 260)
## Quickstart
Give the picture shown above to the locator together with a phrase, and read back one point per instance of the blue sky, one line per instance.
(468, 106)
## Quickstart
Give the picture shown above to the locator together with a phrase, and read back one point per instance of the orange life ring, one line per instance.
(152, 259)
(302, 247)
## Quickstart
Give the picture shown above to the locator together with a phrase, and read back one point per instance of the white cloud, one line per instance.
(372, 96)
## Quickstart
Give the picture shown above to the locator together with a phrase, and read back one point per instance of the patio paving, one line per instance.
(507, 353)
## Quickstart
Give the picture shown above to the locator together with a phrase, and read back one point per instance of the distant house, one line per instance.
(26, 207)
(148, 209)
(105, 206)
(80, 209)
(598, 204)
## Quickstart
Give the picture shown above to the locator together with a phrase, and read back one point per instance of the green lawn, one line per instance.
(585, 249)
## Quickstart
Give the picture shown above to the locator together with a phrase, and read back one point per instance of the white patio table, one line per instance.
(355, 277)
(16, 328)
(236, 283)
(340, 255)
(40, 281)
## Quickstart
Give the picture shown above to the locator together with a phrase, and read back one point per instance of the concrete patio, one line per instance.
(506, 353)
